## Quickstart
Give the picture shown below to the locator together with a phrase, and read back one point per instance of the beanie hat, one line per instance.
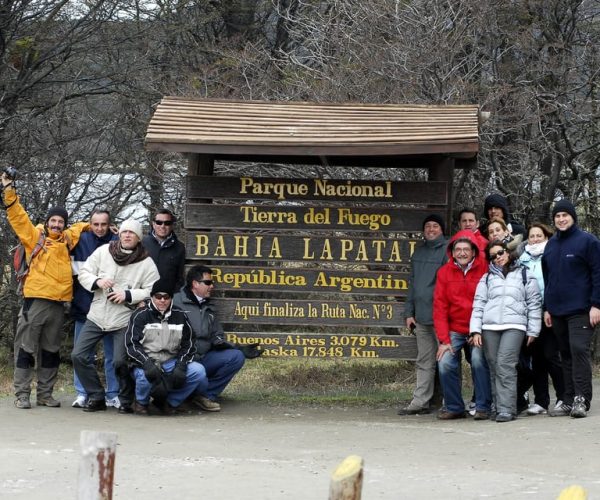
(435, 218)
(133, 226)
(60, 211)
(163, 286)
(498, 201)
(564, 205)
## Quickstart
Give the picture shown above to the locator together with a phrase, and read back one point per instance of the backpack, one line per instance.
(21, 262)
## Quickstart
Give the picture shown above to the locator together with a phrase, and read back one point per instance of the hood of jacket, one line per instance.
(465, 234)
(496, 200)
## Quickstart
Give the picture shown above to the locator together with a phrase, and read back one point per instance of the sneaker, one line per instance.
(413, 410)
(504, 417)
(95, 405)
(23, 403)
(536, 409)
(471, 408)
(50, 402)
(448, 415)
(79, 402)
(206, 404)
(558, 404)
(579, 409)
(564, 410)
(113, 402)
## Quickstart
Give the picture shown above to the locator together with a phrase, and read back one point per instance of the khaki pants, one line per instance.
(37, 345)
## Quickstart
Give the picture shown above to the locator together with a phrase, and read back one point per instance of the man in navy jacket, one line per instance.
(571, 268)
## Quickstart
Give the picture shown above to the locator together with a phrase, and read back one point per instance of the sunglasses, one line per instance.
(165, 222)
(500, 253)
(162, 296)
(206, 282)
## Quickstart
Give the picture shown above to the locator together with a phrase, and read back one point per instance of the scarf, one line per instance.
(536, 249)
(124, 257)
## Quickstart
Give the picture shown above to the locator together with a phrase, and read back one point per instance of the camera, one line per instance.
(10, 172)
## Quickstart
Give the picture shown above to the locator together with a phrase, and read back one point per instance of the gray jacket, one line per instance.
(506, 302)
(428, 257)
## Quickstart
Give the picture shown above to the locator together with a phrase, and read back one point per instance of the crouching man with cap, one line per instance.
(159, 343)
(121, 275)
(48, 286)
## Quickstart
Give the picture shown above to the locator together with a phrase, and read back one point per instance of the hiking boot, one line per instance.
(50, 402)
(140, 409)
(448, 415)
(414, 410)
(481, 415)
(579, 409)
(113, 402)
(79, 402)
(536, 409)
(23, 403)
(206, 404)
(504, 417)
(95, 405)
(564, 410)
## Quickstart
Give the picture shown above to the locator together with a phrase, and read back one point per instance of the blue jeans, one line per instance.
(221, 367)
(451, 376)
(195, 376)
(112, 384)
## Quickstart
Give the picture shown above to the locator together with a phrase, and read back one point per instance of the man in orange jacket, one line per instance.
(48, 286)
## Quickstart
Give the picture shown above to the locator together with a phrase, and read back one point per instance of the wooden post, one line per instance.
(97, 466)
(346, 480)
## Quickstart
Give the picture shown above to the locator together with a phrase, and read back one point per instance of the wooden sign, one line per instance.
(256, 188)
(222, 246)
(310, 312)
(347, 219)
(302, 279)
(293, 345)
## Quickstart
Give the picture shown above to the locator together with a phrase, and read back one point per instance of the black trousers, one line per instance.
(574, 335)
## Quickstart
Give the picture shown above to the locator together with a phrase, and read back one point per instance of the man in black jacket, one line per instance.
(160, 345)
(167, 252)
(221, 359)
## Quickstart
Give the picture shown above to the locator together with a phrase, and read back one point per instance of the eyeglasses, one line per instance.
(161, 296)
(165, 222)
(206, 282)
(499, 253)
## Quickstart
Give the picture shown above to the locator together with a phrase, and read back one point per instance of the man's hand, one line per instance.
(476, 340)
(117, 296)
(530, 340)
(443, 349)
(251, 351)
(151, 371)
(6, 180)
(594, 316)
(105, 283)
(548, 319)
(178, 376)
(411, 323)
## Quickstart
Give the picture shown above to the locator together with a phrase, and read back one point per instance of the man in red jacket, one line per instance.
(452, 306)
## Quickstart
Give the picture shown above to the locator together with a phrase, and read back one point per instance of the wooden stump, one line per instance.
(346, 480)
(97, 466)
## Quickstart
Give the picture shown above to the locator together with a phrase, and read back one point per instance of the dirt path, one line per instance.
(249, 451)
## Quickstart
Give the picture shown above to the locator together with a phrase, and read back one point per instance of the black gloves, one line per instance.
(159, 392)
(151, 371)
(250, 351)
(178, 375)
(220, 345)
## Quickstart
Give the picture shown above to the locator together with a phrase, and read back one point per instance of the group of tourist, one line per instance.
(522, 306)
(164, 349)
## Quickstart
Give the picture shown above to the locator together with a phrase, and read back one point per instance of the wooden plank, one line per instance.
(302, 280)
(271, 188)
(294, 218)
(226, 246)
(309, 312)
(310, 345)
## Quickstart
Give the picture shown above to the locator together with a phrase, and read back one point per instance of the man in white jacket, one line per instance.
(121, 275)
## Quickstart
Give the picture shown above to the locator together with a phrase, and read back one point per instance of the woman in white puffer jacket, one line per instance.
(507, 307)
